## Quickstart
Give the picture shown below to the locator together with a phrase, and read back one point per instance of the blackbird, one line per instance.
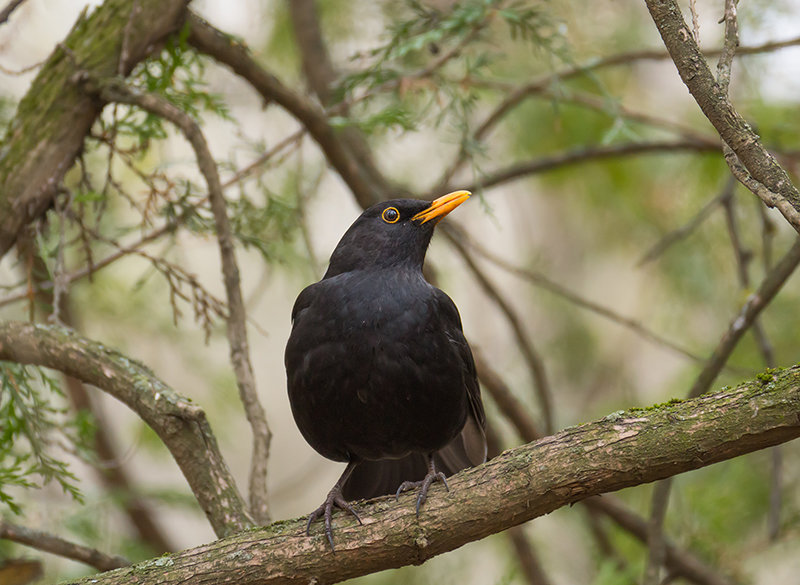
(379, 373)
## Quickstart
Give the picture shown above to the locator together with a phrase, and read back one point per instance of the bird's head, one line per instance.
(392, 233)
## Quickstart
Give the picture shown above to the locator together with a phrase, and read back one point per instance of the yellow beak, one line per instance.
(442, 206)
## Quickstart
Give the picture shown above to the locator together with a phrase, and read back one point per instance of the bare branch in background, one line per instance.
(51, 132)
(6, 12)
(589, 154)
(530, 354)
(208, 40)
(742, 144)
(540, 280)
(683, 231)
(679, 562)
(111, 471)
(58, 546)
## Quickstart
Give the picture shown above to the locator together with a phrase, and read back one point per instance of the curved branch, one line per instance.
(181, 425)
(321, 73)
(621, 450)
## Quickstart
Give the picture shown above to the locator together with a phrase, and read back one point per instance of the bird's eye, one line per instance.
(390, 215)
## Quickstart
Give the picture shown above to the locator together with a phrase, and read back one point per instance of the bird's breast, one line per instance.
(369, 355)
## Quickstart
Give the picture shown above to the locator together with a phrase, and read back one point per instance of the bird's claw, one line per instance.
(423, 486)
(326, 511)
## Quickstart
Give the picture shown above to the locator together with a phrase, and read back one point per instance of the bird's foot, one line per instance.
(326, 511)
(423, 485)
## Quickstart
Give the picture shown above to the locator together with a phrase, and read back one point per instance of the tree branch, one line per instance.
(208, 40)
(55, 116)
(530, 354)
(754, 304)
(679, 562)
(6, 12)
(237, 315)
(321, 73)
(181, 425)
(778, 190)
(582, 155)
(111, 471)
(61, 547)
(621, 450)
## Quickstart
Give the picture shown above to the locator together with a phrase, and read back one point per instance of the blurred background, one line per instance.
(601, 260)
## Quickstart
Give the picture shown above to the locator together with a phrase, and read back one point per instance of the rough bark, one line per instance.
(181, 425)
(56, 114)
(622, 450)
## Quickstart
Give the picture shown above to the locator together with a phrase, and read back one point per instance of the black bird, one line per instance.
(379, 372)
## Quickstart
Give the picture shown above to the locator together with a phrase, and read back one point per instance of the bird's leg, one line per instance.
(424, 483)
(334, 499)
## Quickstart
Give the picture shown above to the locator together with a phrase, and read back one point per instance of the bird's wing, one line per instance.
(471, 442)
(304, 299)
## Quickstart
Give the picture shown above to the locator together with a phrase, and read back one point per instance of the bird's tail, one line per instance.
(371, 479)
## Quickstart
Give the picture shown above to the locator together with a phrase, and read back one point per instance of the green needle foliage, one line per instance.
(32, 432)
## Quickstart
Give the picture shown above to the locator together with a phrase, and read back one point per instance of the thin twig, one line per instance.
(56, 545)
(511, 406)
(529, 352)
(514, 94)
(527, 557)
(743, 258)
(540, 280)
(775, 494)
(695, 21)
(167, 228)
(682, 232)
(237, 327)
(678, 561)
(754, 304)
(582, 155)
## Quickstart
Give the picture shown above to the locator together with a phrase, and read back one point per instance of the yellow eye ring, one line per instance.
(390, 215)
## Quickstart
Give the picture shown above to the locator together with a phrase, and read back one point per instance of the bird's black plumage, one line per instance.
(379, 372)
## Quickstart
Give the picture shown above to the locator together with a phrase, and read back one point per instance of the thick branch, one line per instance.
(621, 450)
(181, 425)
(679, 562)
(713, 101)
(55, 116)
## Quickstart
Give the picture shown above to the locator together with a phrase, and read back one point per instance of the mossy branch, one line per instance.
(622, 450)
(56, 114)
